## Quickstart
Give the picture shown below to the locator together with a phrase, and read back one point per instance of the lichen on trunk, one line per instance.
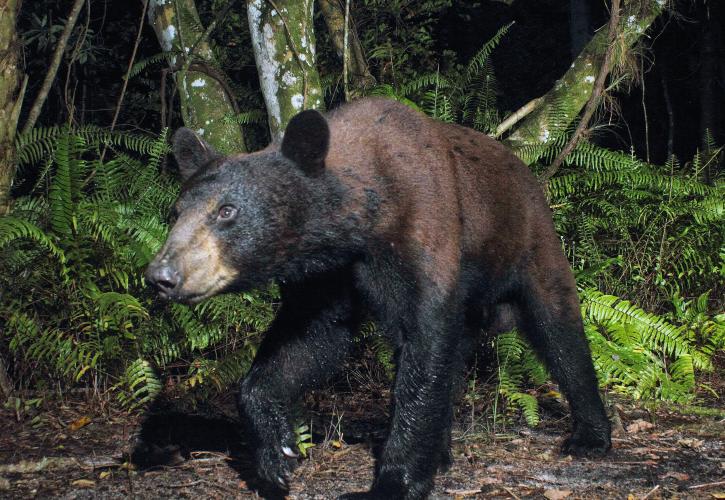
(205, 97)
(283, 41)
(11, 97)
(559, 107)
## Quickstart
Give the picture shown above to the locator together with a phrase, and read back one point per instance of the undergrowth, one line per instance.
(75, 307)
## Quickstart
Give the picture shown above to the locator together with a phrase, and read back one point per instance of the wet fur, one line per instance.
(433, 228)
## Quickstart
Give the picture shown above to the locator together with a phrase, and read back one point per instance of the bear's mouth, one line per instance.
(193, 298)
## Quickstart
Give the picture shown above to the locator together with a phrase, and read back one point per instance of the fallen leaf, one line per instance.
(104, 474)
(81, 422)
(463, 493)
(84, 483)
(556, 494)
(680, 476)
(719, 495)
(336, 444)
(243, 485)
(639, 425)
(691, 443)
(547, 455)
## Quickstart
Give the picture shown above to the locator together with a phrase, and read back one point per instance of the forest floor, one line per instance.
(76, 448)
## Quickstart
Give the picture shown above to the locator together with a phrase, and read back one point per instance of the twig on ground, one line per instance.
(211, 454)
(650, 492)
(463, 492)
(512, 493)
(186, 485)
(706, 485)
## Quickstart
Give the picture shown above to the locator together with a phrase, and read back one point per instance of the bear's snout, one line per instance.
(164, 277)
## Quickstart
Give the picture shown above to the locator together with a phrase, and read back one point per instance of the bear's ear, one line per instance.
(191, 152)
(306, 141)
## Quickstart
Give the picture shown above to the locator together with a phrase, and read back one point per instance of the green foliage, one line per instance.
(381, 347)
(72, 254)
(465, 95)
(640, 230)
(303, 438)
(397, 36)
(517, 364)
(642, 355)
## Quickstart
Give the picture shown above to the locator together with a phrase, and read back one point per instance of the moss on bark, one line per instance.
(205, 98)
(560, 106)
(11, 97)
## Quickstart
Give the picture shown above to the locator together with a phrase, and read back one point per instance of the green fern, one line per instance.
(468, 98)
(81, 241)
(640, 353)
(139, 384)
(516, 366)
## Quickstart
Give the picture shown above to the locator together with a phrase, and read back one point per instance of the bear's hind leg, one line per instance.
(308, 341)
(552, 322)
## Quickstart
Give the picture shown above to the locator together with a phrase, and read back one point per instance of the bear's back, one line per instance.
(437, 181)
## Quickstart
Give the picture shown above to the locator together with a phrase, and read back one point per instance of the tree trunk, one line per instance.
(334, 15)
(561, 105)
(283, 40)
(205, 97)
(11, 98)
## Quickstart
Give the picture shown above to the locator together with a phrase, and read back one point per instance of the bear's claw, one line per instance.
(288, 452)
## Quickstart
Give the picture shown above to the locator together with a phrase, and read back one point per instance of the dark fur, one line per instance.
(433, 228)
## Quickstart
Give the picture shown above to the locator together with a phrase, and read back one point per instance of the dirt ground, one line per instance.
(80, 449)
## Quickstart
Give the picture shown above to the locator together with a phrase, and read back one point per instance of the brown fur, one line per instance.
(443, 208)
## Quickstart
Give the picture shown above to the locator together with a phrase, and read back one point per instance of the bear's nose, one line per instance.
(164, 277)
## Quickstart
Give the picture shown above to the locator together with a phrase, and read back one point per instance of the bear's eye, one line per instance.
(227, 212)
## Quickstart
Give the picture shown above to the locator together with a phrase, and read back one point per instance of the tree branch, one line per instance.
(54, 65)
(339, 22)
(593, 100)
(565, 101)
(517, 116)
(130, 66)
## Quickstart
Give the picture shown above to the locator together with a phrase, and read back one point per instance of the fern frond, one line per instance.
(478, 62)
(139, 384)
(12, 229)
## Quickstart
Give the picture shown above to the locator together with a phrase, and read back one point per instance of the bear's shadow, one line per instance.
(168, 438)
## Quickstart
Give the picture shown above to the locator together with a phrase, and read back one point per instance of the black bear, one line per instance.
(431, 227)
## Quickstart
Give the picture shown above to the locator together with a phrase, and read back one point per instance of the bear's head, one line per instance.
(241, 220)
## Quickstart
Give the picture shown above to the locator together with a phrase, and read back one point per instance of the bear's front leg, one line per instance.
(308, 341)
(428, 366)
